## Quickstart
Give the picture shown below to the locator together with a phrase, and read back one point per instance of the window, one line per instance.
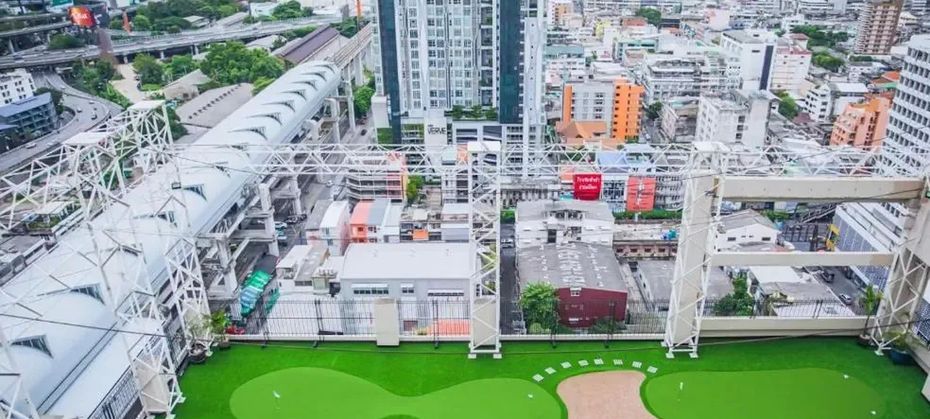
(369, 289)
(38, 343)
(731, 239)
(576, 292)
(406, 289)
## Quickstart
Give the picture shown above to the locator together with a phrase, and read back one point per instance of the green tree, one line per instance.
(738, 302)
(787, 106)
(116, 24)
(869, 302)
(179, 65)
(827, 61)
(490, 114)
(232, 62)
(653, 16)
(508, 216)
(458, 111)
(362, 100)
(654, 110)
(141, 23)
(414, 184)
(149, 70)
(174, 123)
(56, 97)
(539, 303)
(385, 136)
(290, 10)
(260, 84)
(64, 41)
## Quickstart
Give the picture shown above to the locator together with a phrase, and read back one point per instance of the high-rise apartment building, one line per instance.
(734, 117)
(754, 50)
(862, 124)
(667, 77)
(792, 63)
(460, 70)
(878, 25)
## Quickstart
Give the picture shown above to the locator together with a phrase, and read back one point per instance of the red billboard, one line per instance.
(640, 194)
(82, 16)
(587, 186)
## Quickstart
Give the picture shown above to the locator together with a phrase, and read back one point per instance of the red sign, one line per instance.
(82, 16)
(640, 194)
(587, 186)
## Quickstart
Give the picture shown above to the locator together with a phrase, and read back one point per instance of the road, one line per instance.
(159, 43)
(84, 105)
(508, 291)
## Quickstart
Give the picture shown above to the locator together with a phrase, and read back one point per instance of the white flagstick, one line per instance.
(681, 387)
(277, 399)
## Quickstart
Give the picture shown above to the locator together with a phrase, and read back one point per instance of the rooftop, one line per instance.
(657, 274)
(745, 218)
(572, 265)
(25, 105)
(539, 210)
(408, 261)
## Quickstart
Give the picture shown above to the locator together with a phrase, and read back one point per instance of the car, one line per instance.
(31, 145)
(364, 131)
(94, 116)
(506, 243)
(79, 110)
(329, 184)
(280, 225)
(292, 219)
(846, 299)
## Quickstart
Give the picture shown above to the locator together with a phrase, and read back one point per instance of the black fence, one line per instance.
(597, 317)
(774, 307)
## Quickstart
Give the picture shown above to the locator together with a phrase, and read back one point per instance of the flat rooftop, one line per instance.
(572, 265)
(407, 261)
(657, 274)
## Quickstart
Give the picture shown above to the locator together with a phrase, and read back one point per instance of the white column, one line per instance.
(264, 193)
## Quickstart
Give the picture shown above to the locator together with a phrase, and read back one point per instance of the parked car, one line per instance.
(31, 145)
(506, 243)
(846, 299)
(280, 225)
(329, 184)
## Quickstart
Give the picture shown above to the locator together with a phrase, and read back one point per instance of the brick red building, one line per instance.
(586, 276)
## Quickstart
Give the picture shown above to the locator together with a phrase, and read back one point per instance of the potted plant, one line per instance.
(899, 350)
(198, 350)
(218, 324)
(869, 302)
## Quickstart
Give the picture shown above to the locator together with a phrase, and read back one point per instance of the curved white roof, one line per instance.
(64, 285)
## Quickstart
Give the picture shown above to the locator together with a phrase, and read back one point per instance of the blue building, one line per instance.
(25, 120)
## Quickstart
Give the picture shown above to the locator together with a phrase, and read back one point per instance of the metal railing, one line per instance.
(122, 401)
(787, 308)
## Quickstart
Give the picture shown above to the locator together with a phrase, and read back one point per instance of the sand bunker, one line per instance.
(604, 395)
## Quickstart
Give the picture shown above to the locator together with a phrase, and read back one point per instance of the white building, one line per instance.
(665, 77)
(334, 228)
(16, 85)
(436, 57)
(792, 63)
(827, 100)
(754, 50)
(564, 63)
(541, 222)
(734, 117)
(744, 227)
(454, 223)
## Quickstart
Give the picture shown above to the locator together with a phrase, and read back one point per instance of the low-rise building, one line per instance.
(646, 239)
(559, 222)
(454, 223)
(418, 224)
(586, 277)
(376, 221)
(388, 183)
(745, 227)
(792, 63)
(330, 228)
(27, 119)
(654, 278)
(679, 120)
(827, 100)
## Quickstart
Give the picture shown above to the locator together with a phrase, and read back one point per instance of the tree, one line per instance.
(290, 10)
(148, 69)
(654, 110)
(260, 84)
(174, 124)
(653, 16)
(179, 65)
(827, 61)
(56, 98)
(385, 136)
(490, 114)
(64, 41)
(788, 107)
(458, 111)
(362, 100)
(141, 23)
(738, 302)
(232, 62)
(869, 302)
(414, 184)
(116, 24)
(539, 302)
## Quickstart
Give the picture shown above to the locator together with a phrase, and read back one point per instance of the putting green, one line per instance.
(809, 393)
(324, 393)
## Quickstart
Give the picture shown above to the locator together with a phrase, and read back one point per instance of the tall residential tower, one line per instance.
(878, 24)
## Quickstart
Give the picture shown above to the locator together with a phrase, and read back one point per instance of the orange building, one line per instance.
(862, 124)
(614, 105)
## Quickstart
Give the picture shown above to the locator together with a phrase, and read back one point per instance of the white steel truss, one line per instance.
(93, 171)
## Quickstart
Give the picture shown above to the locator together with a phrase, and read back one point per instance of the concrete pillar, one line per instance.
(9, 45)
(228, 264)
(350, 103)
(161, 54)
(334, 113)
(196, 49)
(294, 189)
(264, 194)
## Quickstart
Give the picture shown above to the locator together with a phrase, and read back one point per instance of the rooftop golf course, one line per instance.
(799, 378)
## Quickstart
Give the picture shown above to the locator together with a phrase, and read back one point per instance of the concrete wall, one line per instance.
(779, 326)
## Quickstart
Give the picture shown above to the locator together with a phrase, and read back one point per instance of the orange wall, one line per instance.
(862, 124)
(627, 105)
(567, 104)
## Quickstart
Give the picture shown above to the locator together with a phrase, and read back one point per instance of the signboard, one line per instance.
(82, 16)
(640, 194)
(587, 186)
(59, 6)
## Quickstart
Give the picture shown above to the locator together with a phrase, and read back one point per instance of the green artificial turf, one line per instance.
(321, 393)
(418, 369)
(793, 393)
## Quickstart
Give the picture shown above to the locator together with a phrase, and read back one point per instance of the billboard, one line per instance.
(640, 194)
(82, 16)
(58, 6)
(587, 186)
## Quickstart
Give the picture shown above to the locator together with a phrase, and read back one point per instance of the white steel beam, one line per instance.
(801, 258)
(821, 189)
